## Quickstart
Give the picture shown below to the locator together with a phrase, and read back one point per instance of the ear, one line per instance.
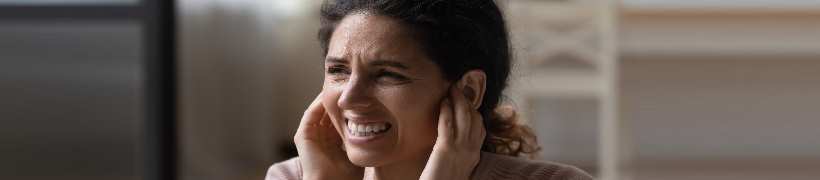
(473, 84)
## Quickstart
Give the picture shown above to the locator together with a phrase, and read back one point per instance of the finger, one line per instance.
(478, 132)
(461, 109)
(446, 127)
(330, 132)
(313, 114)
(325, 120)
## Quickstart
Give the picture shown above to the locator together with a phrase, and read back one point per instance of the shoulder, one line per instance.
(496, 166)
(286, 170)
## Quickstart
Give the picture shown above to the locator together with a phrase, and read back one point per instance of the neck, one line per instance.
(409, 169)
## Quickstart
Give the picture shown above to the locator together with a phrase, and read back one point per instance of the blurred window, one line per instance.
(721, 4)
(67, 2)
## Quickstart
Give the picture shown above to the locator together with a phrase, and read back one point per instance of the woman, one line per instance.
(411, 91)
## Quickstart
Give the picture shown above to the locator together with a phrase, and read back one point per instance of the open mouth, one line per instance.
(367, 129)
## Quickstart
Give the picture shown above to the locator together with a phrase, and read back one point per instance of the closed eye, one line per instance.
(338, 70)
(392, 77)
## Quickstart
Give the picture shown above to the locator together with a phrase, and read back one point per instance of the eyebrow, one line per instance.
(378, 62)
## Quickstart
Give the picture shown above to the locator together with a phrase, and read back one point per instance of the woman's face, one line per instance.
(381, 91)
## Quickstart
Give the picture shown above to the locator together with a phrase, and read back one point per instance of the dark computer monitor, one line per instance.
(87, 89)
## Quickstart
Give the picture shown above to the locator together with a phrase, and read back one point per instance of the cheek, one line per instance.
(329, 98)
(417, 114)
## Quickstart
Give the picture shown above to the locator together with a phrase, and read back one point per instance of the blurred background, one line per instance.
(214, 89)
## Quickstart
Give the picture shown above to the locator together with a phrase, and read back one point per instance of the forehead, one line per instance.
(365, 36)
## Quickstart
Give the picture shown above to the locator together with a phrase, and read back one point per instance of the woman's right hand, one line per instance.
(320, 147)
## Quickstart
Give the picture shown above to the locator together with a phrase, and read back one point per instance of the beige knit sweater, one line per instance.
(491, 166)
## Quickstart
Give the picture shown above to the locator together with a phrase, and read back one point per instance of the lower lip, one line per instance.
(364, 140)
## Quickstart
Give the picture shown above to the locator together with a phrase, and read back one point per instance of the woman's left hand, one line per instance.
(460, 136)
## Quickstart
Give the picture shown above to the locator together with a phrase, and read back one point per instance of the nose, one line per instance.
(356, 94)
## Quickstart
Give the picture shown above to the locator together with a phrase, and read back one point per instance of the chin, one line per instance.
(367, 158)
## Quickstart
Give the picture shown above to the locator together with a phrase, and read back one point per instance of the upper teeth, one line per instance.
(368, 129)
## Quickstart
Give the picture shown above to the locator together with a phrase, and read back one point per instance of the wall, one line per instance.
(721, 95)
(247, 69)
